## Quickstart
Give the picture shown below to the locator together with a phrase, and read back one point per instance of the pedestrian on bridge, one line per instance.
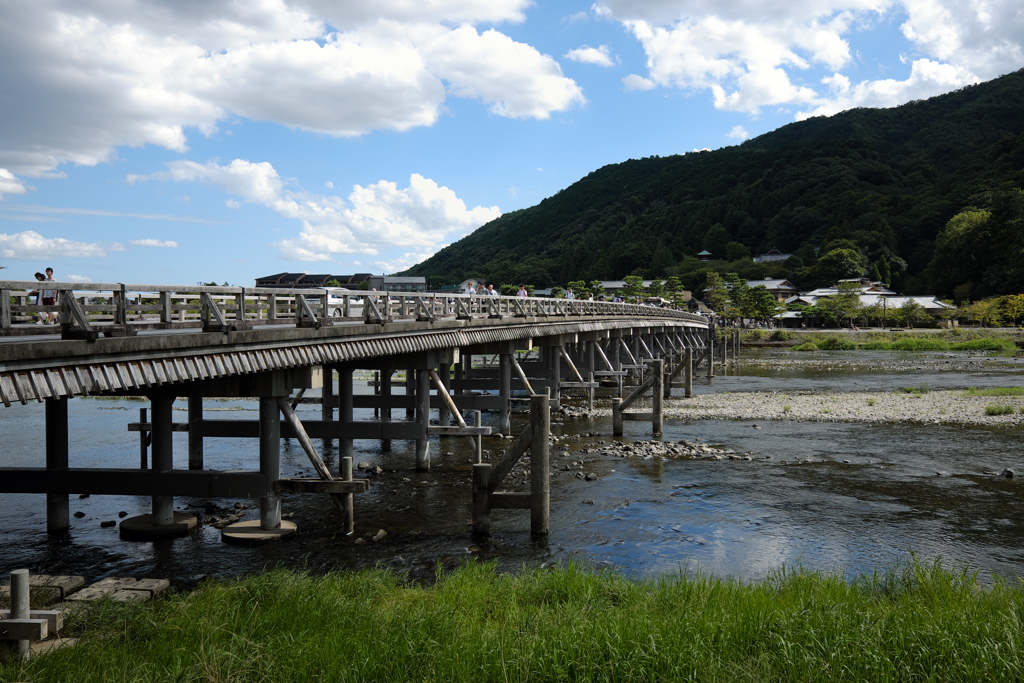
(39, 297)
(50, 298)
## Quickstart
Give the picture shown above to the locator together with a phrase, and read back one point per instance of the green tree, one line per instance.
(716, 293)
(579, 288)
(911, 312)
(716, 239)
(656, 288)
(662, 261)
(839, 264)
(841, 308)
(763, 305)
(1011, 308)
(633, 289)
(734, 251)
(597, 287)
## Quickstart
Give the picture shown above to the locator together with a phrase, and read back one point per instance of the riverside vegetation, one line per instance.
(916, 622)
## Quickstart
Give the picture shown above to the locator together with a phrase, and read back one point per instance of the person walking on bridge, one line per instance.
(50, 298)
(39, 298)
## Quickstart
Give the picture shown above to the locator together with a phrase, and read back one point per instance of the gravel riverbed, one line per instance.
(916, 407)
(933, 407)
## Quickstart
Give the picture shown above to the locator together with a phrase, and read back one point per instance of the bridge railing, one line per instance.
(85, 308)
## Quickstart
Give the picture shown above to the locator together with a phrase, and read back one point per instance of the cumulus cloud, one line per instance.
(169, 244)
(601, 56)
(29, 245)
(738, 133)
(89, 76)
(420, 216)
(635, 82)
(750, 54)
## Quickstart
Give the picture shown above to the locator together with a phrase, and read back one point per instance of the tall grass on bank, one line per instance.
(921, 622)
(995, 391)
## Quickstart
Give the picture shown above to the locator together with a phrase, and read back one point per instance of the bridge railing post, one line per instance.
(5, 309)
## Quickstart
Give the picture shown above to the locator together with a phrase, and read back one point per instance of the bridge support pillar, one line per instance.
(711, 351)
(688, 370)
(163, 456)
(422, 379)
(444, 415)
(345, 410)
(195, 435)
(270, 461)
(163, 521)
(58, 518)
(505, 391)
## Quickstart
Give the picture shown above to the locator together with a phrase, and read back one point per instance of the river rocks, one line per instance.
(649, 450)
(1008, 473)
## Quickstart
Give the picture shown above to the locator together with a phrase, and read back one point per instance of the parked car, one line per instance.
(336, 297)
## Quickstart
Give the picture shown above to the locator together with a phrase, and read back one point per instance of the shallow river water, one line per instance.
(839, 497)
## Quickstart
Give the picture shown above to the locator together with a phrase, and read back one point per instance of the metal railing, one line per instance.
(87, 309)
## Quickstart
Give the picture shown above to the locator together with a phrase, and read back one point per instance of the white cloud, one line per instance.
(406, 260)
(370, 219)
(10, 184)
(600, 56)
(29, 245)
(635, 82)
(926, 78)
(738, 133)
(514, 78)
(89, 76)
(750, 54)
(170, 244)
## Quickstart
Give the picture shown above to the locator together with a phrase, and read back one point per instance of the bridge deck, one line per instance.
(116, 338)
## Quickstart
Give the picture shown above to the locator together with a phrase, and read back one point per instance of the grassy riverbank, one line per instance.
(474, 624)
(958, 339)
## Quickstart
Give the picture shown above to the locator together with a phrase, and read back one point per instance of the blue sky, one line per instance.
(155, 142)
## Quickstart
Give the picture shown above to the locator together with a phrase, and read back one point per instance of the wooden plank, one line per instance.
(507, 500)
(459, 431)
(638, 417)
(294, 485)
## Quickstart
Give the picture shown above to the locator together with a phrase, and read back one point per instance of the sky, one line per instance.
(187, 141)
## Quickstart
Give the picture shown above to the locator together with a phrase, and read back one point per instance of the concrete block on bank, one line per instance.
(121, 590)
(45, 590)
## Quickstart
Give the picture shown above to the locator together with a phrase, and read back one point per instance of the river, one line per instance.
(838, 497)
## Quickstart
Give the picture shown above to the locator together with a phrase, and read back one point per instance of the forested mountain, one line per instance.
(867, 191)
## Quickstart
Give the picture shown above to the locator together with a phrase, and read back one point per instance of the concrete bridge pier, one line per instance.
(163, 521)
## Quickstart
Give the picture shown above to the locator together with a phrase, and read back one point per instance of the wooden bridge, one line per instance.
(169, 342)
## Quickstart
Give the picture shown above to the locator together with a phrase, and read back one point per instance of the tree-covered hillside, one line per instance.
(867, 190)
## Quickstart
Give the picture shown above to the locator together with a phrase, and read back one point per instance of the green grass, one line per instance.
(873, 340)
(995, 391)
(917, 623)
(806, 346)
(999, 409)
(917, 391)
